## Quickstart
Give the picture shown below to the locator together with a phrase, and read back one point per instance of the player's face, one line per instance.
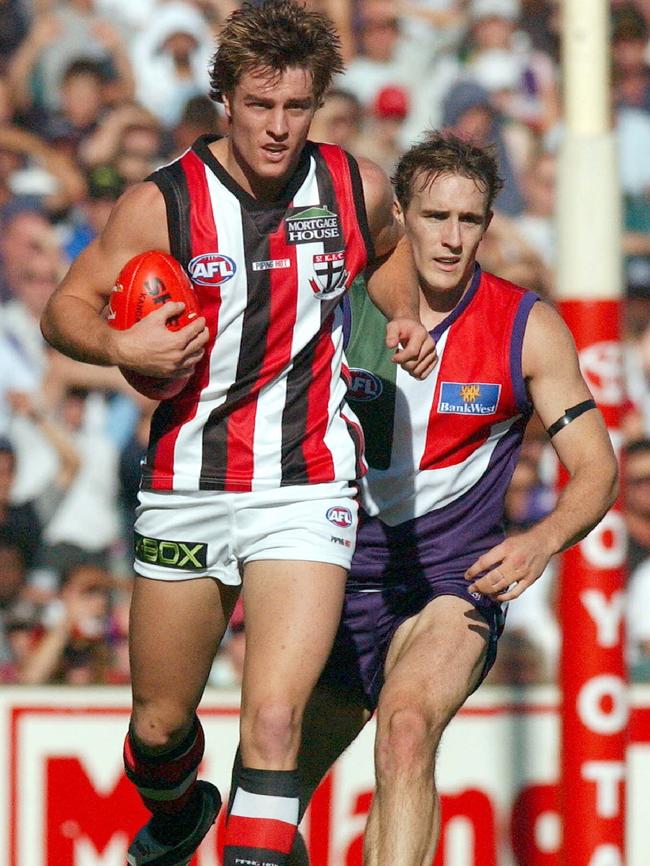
(269, 120)
(445, 222)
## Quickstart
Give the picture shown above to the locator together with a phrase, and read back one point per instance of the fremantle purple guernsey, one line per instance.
(441, 452)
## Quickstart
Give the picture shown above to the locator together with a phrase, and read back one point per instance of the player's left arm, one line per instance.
(391, 278)
(550, 365)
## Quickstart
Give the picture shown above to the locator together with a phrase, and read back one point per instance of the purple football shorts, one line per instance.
(369, 620)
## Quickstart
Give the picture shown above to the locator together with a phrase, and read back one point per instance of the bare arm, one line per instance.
(71, 185)
(44, 31)
(391, 278)
(23, 404)
(72, 321)
(551, 367)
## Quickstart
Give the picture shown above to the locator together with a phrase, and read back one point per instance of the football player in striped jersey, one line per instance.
(433, 571)
(251, 469)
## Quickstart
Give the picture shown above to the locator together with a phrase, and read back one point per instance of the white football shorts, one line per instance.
(179, 536)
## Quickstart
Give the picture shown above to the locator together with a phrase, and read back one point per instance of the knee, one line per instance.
(160, 727)
(406, 744)
(272, 730)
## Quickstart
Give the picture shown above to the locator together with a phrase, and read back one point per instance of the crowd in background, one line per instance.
(94, 94)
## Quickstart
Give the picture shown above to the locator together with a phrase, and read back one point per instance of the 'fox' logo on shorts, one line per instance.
(188, 555)
(339, 516)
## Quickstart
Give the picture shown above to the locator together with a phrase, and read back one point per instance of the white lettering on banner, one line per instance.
(605, 546)
(607, 613)
(548, 832)
(590, 704)
(607, 855)
(113, 855)
(602, 367)
(608, 776)
(460, 839)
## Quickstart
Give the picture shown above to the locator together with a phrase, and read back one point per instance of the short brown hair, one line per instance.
(275, 35)
(440, 154)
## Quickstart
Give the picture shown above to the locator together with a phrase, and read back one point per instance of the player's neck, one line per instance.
(437, 303)
(262, 189)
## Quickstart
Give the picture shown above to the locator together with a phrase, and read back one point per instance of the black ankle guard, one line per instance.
(569, 416)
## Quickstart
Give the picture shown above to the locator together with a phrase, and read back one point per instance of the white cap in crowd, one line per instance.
(510, 9)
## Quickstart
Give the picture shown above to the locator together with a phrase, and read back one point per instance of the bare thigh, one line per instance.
(175, 630)
(435, 659)
(292, 613)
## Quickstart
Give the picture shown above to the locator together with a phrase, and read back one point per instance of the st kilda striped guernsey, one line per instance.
(266, 406)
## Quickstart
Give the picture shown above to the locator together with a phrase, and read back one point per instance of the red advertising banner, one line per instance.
(65, 802)
(594, 716)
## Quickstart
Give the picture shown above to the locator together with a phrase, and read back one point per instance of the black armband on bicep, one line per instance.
(569, 416)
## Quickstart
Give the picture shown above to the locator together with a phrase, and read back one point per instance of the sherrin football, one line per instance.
(147, 281)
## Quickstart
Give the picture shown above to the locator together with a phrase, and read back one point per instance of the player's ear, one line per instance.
(399, 213)
(227, 106)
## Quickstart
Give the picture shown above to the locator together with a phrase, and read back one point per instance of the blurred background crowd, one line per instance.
(94, 94)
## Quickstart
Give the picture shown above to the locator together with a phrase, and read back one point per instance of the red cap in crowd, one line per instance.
(391, 102)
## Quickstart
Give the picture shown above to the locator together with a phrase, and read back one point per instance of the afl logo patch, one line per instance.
(211, 269)
(364, 386)
(339, 516)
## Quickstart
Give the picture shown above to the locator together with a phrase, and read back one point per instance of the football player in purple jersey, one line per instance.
(433, 570)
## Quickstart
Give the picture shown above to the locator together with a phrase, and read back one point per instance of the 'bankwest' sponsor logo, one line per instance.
(212, 269)
(339, 515)
(303, 226)
(364, 386)
(188, 555)
(469, 398)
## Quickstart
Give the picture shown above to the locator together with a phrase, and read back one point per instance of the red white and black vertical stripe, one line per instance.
(264, 408)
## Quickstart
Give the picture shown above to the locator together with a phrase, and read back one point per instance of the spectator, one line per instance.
(54, 42)
(338, 120)
(12, 582)
(85, 525)
(631, 72)
(82, 106)
(386, 57)
(34, 174)
(140, 149)
(14, 25)
(468, 113)
(20, 521)
(381, 139)
(534, 97)
(638, 623)
(536, 223)
(105, 185)
(129, 134)
(201, 116)
(20, 631)
(636, 485)
(170, 60)
(130, 470)
(74, 647)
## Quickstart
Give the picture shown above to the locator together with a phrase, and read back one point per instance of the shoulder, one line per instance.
(377, 188)
(140, 214)
(379, 200)
(547, 340)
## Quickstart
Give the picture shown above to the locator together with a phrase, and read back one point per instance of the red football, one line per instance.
(146, 282)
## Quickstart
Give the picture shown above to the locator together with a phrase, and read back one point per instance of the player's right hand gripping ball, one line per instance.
(144, 284)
